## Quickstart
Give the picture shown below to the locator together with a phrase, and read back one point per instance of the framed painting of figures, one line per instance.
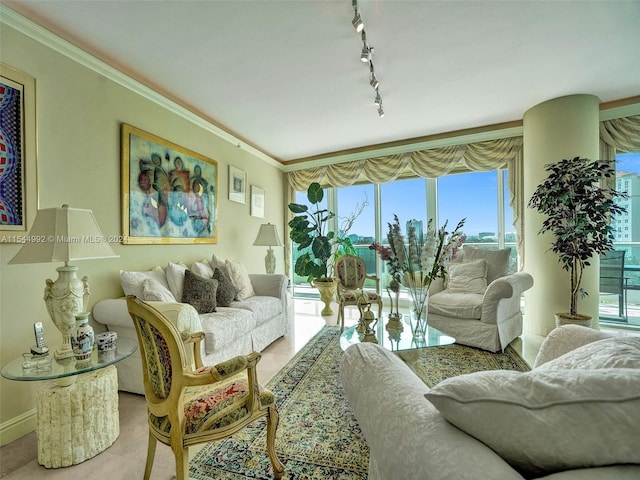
(169, 193)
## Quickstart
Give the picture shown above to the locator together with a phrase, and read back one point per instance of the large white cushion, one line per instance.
(615, 352)
(497, 260)
(240, 279)
(459, 305)
(152, 290)
(175, 279)
(202, 268)
(548, 420)
(132, 282)
(468, 277)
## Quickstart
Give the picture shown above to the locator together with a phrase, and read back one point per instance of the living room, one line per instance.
(81, 106)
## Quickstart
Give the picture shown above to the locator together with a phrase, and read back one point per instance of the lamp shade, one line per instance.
(64, 234)
(267, 236)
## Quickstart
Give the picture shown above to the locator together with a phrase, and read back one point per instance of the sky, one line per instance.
(463, 195)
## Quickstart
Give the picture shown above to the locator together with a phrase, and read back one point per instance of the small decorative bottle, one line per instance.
(84, 338)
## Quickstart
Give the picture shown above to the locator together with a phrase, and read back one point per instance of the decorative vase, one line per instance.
(327, 289)
(419, 318)
(82, 341)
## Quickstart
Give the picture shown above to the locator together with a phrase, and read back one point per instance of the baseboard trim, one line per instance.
(17, 427)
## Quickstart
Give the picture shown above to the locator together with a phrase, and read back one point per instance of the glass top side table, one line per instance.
(76, 404)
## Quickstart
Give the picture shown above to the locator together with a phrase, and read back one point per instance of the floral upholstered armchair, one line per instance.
(186, 406)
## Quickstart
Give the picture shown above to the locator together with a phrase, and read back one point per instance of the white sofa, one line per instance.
(248, 324)
(479, 304)
(576, 415)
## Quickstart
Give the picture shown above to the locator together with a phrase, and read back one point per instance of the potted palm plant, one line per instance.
(309, 229)
(578, 209)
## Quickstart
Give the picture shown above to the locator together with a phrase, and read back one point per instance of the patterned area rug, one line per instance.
(318, 437)
(434, 364)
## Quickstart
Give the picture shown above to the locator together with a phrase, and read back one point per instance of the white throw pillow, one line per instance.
(131, 282)
(240, 279)
(615, 352)
(175, 279)
(219, 263)
(202, 268)
(468, 277)
(152, 290)
(546, 421)
(497, 260)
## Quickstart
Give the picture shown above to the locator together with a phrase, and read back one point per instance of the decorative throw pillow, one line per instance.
(614, 352)
(546, 421)
(199, 292)
(152, 290)
(240, 279)
(497, 260)
(202, 268)
(175, 278)
(226, 292)
(468, 277)
(132, 281)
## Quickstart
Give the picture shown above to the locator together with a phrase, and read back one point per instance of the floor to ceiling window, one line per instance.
(480, 197)
(621, 305)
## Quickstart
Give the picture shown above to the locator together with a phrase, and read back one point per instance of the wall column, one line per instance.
(564, 127)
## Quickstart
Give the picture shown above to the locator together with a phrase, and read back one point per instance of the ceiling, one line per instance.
(285, 76)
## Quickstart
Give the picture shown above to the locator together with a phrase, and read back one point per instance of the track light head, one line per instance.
(365, 56)
(380, 111)
(373, 81)
(378, 101)
(357, 22)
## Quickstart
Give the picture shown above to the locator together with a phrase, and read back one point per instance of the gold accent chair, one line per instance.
(351, 273)
(186, 406)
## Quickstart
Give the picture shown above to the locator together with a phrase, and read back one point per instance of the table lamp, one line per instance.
(268, 237)
(64, 235)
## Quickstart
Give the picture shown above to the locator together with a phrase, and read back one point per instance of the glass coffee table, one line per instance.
(395, 339)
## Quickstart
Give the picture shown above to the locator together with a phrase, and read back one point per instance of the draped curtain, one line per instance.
(620, 134)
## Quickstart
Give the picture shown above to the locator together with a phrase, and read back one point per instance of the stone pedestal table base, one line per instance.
(77, 422)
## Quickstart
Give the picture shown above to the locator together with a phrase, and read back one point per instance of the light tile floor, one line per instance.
(125, 459)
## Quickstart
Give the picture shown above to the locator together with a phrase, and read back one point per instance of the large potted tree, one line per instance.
(578, 207)
(309, 229)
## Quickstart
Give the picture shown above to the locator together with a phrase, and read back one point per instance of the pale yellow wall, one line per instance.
(79, 114)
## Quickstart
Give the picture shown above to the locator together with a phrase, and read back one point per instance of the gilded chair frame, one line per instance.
(166, 398)
(351, 273)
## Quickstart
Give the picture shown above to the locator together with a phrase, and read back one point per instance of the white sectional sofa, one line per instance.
(576, 415)
(251, 322)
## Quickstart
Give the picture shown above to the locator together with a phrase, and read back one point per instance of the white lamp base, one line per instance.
(270, 261)
(64, 298)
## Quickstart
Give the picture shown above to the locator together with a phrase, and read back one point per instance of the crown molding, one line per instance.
(34, 31)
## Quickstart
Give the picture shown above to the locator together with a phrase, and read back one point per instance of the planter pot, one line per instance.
(566, 318)
(327, 289)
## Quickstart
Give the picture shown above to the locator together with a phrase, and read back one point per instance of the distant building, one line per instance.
(625, 229)
(417, 224)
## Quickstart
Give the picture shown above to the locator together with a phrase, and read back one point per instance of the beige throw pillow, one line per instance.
(240, 279)
(132, 282)
(497, 260)
(468, 277)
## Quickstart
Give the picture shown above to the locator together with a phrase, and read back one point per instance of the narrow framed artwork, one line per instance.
(257, 202)
(169, 193)
(18, 162)
(237, 185)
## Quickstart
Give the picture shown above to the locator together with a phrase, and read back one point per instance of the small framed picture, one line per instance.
(237, 185)
(257, 202)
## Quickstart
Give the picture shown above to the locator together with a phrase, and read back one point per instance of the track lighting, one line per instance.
(366, 56)
(357, 22)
